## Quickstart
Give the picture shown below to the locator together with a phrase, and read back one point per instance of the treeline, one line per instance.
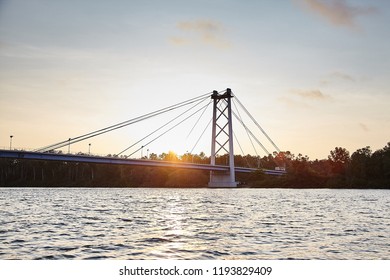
(361, 169)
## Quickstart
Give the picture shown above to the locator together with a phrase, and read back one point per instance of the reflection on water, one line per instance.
(194, 224)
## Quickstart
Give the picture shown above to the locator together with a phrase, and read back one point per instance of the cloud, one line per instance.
(293, 103)
(203, 26)
(311, 94)
(337, 76)
(303, 98)
(179, 41)
(364, 127)
(342, 76)
(338, 12)
(205, 32)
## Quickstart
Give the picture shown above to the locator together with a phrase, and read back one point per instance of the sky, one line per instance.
(313, 73)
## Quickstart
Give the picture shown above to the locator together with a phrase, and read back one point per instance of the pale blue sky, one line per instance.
(314, 73)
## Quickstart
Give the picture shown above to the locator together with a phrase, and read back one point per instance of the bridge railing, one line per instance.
(16, 153)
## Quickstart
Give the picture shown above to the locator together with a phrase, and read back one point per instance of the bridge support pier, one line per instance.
(222, 119)
(221, 180)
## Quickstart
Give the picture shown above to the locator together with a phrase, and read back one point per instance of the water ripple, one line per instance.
(194, 224)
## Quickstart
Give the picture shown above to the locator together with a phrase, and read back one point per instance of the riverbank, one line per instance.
(363, 169)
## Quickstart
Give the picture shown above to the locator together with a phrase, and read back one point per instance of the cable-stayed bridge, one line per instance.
(222, 139)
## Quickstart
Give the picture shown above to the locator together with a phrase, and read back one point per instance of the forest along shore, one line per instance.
(361, 169)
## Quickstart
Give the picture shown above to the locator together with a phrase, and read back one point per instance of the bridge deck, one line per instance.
(115, 160)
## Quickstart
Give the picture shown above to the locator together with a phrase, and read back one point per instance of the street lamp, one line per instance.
(89, 148)
(142, 152)
(69, 146)
(147, 153)
(10, 141)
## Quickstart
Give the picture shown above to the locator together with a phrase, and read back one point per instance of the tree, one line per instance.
(153, 156)
(187, 178)
(386, 161)
(187, 157)
(339, 159)
(171, 156)
(359, 168)
(380, 164)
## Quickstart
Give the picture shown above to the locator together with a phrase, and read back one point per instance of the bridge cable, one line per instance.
(242, 151)
(246, 130)
(251, 133)
(196, 123)
(120, 125)
(197, 141)
(175, 118)
(168, 130)
(257, 124)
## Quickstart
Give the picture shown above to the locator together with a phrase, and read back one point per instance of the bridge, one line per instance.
(222, 141)
(14, 154)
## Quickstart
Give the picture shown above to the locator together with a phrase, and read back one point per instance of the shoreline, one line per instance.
(196, 187)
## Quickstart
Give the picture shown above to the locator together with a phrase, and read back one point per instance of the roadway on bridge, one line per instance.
(15, 154)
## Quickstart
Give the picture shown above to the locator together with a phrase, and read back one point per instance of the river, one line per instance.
(154, 223)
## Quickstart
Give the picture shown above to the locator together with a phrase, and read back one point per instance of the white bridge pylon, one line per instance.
(222, 138)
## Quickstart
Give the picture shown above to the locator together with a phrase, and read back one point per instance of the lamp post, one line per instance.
(147, 153)
(10, 141)
(142, 152)
(89, 148)
(69, 146)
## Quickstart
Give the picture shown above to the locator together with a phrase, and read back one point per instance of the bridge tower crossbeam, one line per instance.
(222, 128)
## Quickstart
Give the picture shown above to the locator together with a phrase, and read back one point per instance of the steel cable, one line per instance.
(120, 125)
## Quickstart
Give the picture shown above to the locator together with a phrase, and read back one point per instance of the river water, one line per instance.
(148, 223)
